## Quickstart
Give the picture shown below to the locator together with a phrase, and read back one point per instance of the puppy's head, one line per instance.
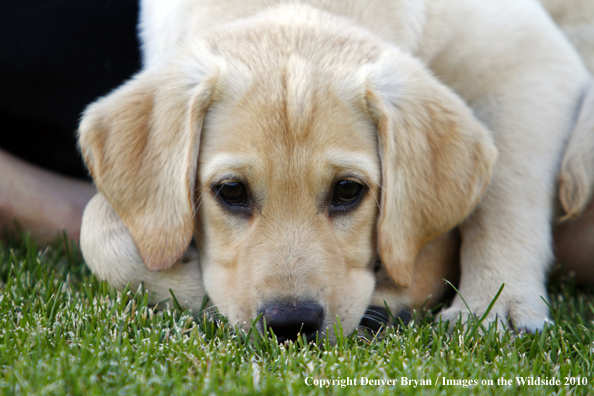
(297, 155)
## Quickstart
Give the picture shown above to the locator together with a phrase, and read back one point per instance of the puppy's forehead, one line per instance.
(292, 122)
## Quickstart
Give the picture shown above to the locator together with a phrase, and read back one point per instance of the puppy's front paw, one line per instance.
(519, 310)
(110, 252)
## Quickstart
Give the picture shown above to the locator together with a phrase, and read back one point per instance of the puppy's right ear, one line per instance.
(141, 144)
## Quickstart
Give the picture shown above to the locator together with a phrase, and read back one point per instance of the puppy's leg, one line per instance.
(508, 238)
(529, 102)
(109, 251)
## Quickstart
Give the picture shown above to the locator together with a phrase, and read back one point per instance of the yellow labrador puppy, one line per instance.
(299, 142)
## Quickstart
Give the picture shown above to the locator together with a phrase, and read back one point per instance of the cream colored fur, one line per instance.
(289, 97)
(576, 19)
(112, 255)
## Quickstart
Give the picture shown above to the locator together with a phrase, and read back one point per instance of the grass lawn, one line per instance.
(63, 332)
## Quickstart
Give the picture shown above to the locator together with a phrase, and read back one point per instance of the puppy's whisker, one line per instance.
(213, 312)
(201, 200)
(202, 195)
(366, 329)
(375, 196)
(382, 187)
(214, 307)
(374, 319)
(202, 186)
(371, 317)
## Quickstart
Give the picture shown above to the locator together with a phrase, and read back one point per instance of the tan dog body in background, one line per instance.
(290, 99)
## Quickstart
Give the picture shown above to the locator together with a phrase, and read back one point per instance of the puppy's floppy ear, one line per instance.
(436, 158)
(141, 144)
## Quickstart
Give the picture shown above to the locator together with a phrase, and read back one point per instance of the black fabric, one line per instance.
(55, 58)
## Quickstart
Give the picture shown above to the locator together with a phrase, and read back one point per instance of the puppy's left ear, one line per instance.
(141, 146)
(436, 158)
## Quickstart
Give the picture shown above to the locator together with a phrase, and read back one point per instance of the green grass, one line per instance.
(63, 332)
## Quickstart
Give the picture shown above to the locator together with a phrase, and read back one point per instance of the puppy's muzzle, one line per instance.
(289, 321)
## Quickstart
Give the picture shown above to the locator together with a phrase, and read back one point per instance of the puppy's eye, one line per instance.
(346, 193)
(233, 193)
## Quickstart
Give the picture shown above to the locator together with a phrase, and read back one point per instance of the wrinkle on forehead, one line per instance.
(290, 130)
(301, 95)
(299, 107)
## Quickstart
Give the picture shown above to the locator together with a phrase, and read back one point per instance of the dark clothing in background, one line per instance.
(55, 58)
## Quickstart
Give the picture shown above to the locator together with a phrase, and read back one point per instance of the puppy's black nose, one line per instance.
(289, 321)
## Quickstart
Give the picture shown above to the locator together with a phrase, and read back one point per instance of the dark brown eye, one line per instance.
(233, 193)
(346, 192)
